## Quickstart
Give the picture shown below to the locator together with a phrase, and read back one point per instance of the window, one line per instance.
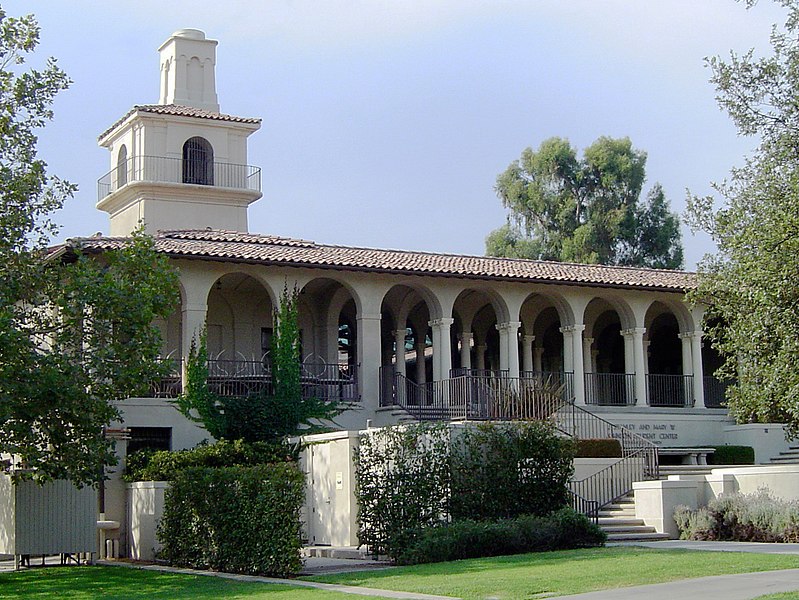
(198, 162)
(122, 167)
(151, 438)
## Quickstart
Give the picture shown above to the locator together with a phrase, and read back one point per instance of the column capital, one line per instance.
(698, 333)
(587, 340)
(442, 322)
(576, 328)
(686, 335)
(367, 317)
(508, 326)
(400, 332)
(466, 335)
(528, 339)
(633, 331)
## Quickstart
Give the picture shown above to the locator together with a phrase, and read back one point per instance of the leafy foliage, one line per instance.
(235, 519)
(562, 530)
(751, 287)
(76, 331)
(163, 465)
(268, 415)
(504, 470)
(585, 210)
(412, 477)
(598, 448)
(754, 517)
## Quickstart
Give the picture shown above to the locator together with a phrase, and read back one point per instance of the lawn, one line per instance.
(509, 577)
(118, 583)
(560, 573)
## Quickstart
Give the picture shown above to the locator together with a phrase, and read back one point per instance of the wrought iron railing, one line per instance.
(670, 390)
(169, 385)
(609, 389)
(715, 391)
(164, 169)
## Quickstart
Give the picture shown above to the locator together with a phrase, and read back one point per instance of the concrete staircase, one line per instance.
(787, 457)
(619, 522)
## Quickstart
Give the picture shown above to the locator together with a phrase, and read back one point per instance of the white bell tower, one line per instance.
(180, 164)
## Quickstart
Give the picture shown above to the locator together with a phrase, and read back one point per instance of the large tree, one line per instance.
(76, 331)
(587, 209)
(751, 286)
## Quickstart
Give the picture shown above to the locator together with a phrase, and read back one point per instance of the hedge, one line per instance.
(562, 530)
(598, 448)
(164, 465)
(235, 519)
(732, 455)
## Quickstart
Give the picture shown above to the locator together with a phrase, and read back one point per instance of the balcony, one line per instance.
(609, 389)
(162, 169)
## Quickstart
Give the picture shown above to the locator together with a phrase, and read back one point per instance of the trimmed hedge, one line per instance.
(164, 465)
(564, 529)
(598, 448)
(235, 519)
(732, 455)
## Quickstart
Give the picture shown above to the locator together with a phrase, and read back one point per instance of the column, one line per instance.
(636, 343)
(698, 370)
(588, 366)
(369, 354)
(399, 352)
(687, 364)
(509, 347)
(421, 371)
(442, 347)
(331, 355)
(538, 353)
(480, 356)
(466, 349)
(528, 363)
(573, 356)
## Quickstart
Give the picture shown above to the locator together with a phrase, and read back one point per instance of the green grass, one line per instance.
(118, 583)
(559, 573)
(782, 596)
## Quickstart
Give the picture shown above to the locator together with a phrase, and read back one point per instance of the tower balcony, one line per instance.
(163, 169)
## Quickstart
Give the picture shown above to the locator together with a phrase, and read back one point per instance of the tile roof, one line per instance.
(180, 111)
(230, 246)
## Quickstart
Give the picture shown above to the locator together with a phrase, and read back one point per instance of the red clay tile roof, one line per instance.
(229, 246)
(180, 111)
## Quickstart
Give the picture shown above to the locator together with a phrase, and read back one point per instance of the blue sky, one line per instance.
(385, 124)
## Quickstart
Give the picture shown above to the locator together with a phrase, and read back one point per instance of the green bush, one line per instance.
(598, 448)
(402, 482)
(564, 529)
(754, 517)
(235, 519)
(504, 470)
(732, 455)
(164, 465)
(413, 477)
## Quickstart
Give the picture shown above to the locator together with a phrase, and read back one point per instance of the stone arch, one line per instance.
(328, 316)
(409, 309)
(198, 161)
(478, 311)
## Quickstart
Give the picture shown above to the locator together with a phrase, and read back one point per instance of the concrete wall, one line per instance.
(768, 439)
(145, 509)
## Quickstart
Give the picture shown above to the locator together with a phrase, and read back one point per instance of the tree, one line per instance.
(267, 415)
(751, 286)
(585, 210)
(76, 331)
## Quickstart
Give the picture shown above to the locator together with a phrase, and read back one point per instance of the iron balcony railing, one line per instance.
(609, 389)
(715, 391)
(670, 390)
(331, 382)
(164, 169)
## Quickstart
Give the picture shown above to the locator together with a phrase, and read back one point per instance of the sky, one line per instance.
(386, 123)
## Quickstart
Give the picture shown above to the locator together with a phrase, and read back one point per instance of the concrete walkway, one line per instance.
(757, 548)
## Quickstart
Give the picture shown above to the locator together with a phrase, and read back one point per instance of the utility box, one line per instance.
(54, 518)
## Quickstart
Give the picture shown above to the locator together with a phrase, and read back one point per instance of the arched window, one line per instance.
(198, 162)
(122, 167)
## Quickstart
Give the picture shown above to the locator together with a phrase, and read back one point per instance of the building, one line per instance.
(395, 334)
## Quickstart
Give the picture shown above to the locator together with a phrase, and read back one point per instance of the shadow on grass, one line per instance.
(117, 583)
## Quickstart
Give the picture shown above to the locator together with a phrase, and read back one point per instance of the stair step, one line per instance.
(628, 528)
(637, 537)
(618, 521)
(617, 512)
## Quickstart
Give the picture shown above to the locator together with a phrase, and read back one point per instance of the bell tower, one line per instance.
(181, 163)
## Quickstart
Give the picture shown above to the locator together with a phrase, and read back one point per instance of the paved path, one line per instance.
(756, 548)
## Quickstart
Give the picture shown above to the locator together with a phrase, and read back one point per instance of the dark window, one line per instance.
(198, 162)
(122, 167)
(151, 438)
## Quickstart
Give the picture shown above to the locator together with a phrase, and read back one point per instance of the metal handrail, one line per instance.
(165, 169)
(670, 390)
(609, 389)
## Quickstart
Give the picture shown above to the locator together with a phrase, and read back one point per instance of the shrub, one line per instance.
(164, 465)
(402, 482)
(598, 448)
(732, 455)
(504, 470)
(235, 519)
(754, 517)
(561, 530)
